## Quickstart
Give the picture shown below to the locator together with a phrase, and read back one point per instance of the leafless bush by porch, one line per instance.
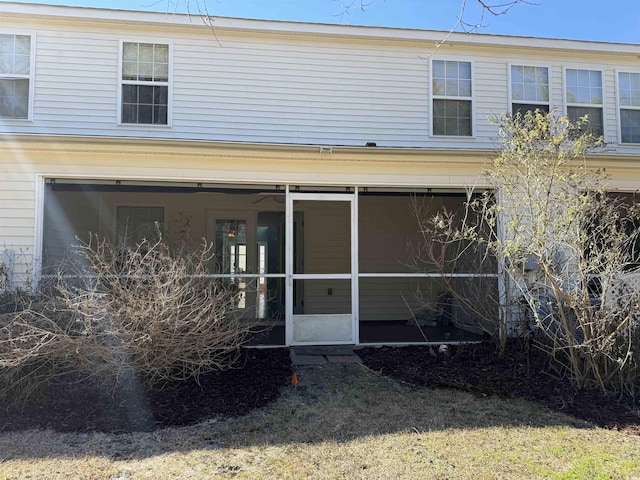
(567, 247)
(144, 313)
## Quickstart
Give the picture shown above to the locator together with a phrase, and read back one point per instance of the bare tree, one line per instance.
(568, 250)
(471, 17)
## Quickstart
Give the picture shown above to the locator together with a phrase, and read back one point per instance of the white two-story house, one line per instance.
(299, 149)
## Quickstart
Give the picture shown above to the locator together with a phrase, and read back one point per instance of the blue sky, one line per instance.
(614, 21)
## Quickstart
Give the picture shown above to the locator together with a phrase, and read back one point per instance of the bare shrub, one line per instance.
(142, 312)
(567, 250)
(455, 245)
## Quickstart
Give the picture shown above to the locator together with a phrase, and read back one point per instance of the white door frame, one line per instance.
(291, 276)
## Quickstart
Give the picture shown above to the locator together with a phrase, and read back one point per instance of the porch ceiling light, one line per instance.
(326, 149)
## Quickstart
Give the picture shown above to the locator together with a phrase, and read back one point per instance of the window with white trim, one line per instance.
(452, 98)
(145, 83)
(584, 97)
(15, 76)
(529, 89)
(629, 101)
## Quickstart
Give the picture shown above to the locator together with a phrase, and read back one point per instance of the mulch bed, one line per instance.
(257, 380)
(521, 372)
(261, 375)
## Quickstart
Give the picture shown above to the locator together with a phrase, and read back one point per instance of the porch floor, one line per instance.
(391, 331)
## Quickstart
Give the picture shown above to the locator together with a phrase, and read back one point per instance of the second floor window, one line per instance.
(15, 76)
(145, 83)
(629, 100)
(584, 97)
(452, 97)
(529, 89)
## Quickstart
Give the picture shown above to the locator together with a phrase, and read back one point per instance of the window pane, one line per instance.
(438, 86)
(130, 52)
(438, 69)
(530, 91)
(7, 88)
(629, 89)
(129, 70)
(583, 77)
(15, 54)
(145, 94)
(22, 88)
(160, 95)
(145, 114)
(517, 74)
(529, 75)
(465, 88)
(584, 86)
(14, 98)
(453, 117)
(438, 125)
(130, 94)
(624, 82)
(21, 107)
(161, 53)
(464, 70)
(7, 44)
(23, 45)
(451, 78)
(6, 63)
(584, 95)
(21, 65)
(145, 71)
(464, 127)
(517, 91)
(451, 109)
(594, 116)
(161, 72)
(464, 109)
(451, 88)
(145, 52)
(630, 126)
(129, 113)
(523, 108)
(529, 83)
(542, 93)
(160, 115)
(451, 126)
(542, 75)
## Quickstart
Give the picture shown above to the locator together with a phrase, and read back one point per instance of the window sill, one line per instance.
(15, 120)
(142, 126)
(450, 137)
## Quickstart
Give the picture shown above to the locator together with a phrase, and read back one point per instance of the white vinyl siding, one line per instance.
(629, 102)
(584, 97)
(451, 83)
(16, 76)
(302, 89)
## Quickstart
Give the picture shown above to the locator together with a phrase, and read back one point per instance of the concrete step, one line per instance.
(323, 355)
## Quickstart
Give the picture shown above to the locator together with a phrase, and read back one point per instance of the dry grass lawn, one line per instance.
(341, 422)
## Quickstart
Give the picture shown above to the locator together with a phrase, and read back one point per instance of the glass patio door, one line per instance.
(321, 269)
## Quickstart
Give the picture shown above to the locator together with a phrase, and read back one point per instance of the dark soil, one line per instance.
(261, 375)
(257, 380)
(521, 372)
